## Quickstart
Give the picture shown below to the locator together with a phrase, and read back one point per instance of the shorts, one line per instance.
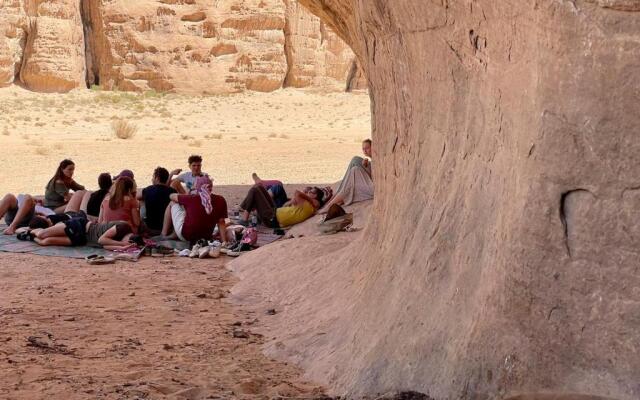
(11, 214)
(178, 214)
(76, 231)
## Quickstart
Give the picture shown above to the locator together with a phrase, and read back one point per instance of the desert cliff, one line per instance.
(186, 46)
(500, 258)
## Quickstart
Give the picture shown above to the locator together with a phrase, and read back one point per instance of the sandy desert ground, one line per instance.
(296, 136)
(159, 328)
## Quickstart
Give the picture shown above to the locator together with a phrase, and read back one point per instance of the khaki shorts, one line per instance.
(178, 214)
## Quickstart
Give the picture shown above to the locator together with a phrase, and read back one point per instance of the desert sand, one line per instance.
(153, 329)
(159, 328)
(293, 135)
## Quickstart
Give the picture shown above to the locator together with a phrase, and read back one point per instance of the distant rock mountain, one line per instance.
(188, 46)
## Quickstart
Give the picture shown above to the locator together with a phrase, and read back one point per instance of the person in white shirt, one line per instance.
(185, 182)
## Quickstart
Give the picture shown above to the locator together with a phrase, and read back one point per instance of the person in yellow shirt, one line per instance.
(300, 208)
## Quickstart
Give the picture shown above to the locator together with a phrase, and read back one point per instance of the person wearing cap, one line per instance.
(121, 204)
(194, 216)
(185, 182)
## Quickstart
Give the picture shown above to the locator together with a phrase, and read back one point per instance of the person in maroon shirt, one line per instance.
(194, 216)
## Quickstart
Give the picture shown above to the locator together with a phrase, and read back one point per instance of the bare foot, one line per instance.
(256, 178)
(9, 231)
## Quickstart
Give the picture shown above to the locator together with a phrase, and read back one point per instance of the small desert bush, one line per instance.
(41, 151)
(122, 129)
(253, 138)
(186, 137)
(283, 136)
(273, 135)
(217, 136)
(195, 143)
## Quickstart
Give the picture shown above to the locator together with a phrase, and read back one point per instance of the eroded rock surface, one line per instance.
(168, 45)
(501, 255)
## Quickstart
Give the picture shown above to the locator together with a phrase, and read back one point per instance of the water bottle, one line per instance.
(254, 220)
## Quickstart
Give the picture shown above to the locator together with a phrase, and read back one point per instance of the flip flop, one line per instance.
(95, 259)
(25, 236)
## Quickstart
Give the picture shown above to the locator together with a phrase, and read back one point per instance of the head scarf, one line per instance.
(204, 187)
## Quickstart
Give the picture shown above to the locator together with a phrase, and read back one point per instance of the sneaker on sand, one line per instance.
(227, 246)
(203, 252)
(241, 248)
(195, 250)
(214, 251)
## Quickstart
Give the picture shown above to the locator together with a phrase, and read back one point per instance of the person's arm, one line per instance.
(108, 243)
(135, 214)
(140, 194)
(173, 173)
(75, 186)
(101, 215)
(174, 197)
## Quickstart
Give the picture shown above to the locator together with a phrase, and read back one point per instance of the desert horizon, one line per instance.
(297, 136)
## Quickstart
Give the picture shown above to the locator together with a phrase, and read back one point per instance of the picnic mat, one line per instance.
(10, 244)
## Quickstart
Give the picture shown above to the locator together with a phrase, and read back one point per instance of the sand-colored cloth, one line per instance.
(356, 186)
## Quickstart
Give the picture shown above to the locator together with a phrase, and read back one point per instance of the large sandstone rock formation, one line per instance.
(171, 45)
(500, 260)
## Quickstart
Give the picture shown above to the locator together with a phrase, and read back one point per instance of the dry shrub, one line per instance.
(283, 136)
(41, 124)
(272, 135)
(217, 136)
(195, 143)
(186, 137)
(123, 129)
(253, 138)
(41, 151)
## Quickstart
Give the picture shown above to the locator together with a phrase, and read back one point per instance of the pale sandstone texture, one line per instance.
(500, 260)
(189, 46)
(41, 44)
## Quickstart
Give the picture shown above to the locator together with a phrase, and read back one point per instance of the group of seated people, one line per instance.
(176, 206)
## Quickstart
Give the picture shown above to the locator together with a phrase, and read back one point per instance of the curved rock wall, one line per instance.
(196, 46)
(500, 258)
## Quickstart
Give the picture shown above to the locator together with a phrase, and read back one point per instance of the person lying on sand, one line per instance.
(300, 208)
(194, 216)
(184, 183)
(19, 210)
(57, 192)
(357, 184)
(79, 231)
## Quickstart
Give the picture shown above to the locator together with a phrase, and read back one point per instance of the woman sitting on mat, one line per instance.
(57, 192)
(122, 205)
(300, 208)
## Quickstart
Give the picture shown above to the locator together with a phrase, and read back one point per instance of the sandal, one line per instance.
(25, 236)
(95, 259)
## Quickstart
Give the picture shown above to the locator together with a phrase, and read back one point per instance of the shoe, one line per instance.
(227, 246)
(242, 248)
(161, 251)
(25, 236)
(203, 252)
(95, 259)
(195, 250)
(214, 251)
(184, 253)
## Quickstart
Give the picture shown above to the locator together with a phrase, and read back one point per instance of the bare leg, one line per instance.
(85, 200)
(76, 200)
(60, 209)
(27, 207)
(54, 241)
(256, 178)
(55, 231)
(8, 202)
(177, 185)
(167, 222)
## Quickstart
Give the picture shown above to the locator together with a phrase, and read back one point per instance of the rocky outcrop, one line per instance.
(500, 257)
(194, 46)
